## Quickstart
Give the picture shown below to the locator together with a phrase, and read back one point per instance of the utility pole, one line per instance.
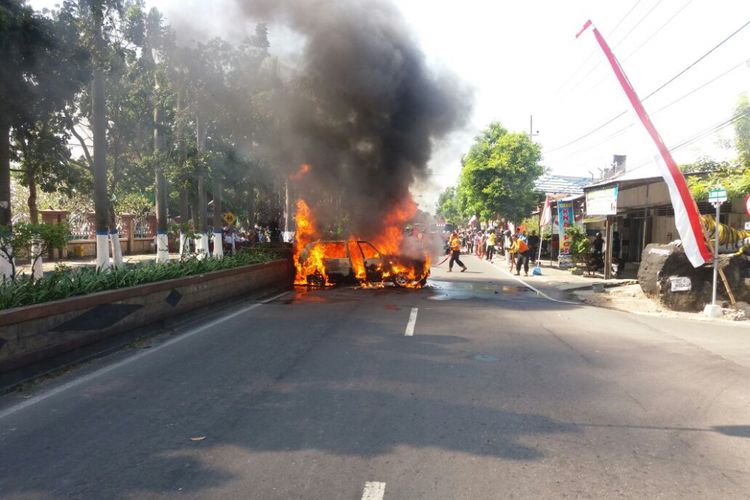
(532, 134)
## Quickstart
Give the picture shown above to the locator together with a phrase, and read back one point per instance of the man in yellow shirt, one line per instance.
(491, 241)
(455, 244)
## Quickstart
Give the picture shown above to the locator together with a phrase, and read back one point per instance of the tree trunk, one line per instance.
(218, 222)
(99, 129)
(184, 195)
(5, 215)
(33, 210)
(162, 244)
(202, 214)
(7, 268)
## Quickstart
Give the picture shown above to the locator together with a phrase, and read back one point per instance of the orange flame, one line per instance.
(391, 265)
(303, 170)
(306, 234)
(389, 241)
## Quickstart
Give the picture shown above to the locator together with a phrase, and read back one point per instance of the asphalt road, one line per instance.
(474, 388)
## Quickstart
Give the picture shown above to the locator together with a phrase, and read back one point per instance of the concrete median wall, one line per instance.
(35, 333)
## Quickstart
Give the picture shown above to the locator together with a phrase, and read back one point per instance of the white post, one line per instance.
(36, 249)
(183, 241)
(6, 268)
(102, 251)
(716, 255)
(114, 236)
(713, 310)
(218, 244)
(162, 248)
(201, 246)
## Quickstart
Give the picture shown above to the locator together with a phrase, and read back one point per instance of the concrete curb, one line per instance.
(35, 333)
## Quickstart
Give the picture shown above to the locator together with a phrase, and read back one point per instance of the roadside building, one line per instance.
(636, 204)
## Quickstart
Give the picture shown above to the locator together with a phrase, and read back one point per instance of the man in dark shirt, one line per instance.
(533, 242)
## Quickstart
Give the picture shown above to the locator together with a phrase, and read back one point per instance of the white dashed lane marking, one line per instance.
(412, 322)
(373, 491)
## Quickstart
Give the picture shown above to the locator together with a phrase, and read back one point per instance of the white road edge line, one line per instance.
(126, 361)
(412, 322)
(538, 292)
(373, 491)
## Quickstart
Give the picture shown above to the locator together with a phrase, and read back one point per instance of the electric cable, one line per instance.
(660, 88)
(666, 106)
(658, 30)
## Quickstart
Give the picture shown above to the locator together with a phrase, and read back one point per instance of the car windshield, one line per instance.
(335, 250)
(369, 251)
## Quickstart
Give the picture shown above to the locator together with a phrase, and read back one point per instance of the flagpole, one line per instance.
(547, 210)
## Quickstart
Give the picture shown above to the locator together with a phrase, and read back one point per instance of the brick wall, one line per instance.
(33, 333)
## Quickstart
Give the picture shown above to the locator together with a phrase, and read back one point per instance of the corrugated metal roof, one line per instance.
(649, 170)
(561, 184)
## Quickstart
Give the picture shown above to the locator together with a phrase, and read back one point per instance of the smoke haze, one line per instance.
(363, 108)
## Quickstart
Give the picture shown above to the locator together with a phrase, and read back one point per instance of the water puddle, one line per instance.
(452, 290)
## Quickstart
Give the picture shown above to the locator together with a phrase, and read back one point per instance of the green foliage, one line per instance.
(580, 245)
(709, 174)
(531, 224)
(498, 174)
(30, 241)
(64, 283)
(447, 206)
(742, 131)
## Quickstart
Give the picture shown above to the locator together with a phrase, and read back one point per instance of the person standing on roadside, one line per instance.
(533, 243)
(491, 240)
(521, 251)
(508, 246)
(455, 245)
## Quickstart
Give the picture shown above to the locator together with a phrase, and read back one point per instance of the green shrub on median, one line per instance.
(65, 282)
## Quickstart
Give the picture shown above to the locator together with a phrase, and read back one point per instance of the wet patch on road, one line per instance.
(487, 358)
(457, 290)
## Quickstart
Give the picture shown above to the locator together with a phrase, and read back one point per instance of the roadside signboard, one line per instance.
(747, 226)
(566, 218)
(680, 284)
(747, 205)
(602, 201)
(717, 196)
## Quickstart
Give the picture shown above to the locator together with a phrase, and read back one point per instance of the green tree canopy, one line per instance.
(498, 174)
(447, 206)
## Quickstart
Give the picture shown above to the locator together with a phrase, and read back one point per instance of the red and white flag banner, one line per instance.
(546, 212)
(686, 215)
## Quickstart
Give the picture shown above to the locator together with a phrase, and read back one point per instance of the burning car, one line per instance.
(326, 263)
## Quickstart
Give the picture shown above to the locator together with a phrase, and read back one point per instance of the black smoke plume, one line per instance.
(363, 109)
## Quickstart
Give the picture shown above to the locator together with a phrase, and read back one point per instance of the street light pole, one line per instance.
(716, 196)
(716, 255)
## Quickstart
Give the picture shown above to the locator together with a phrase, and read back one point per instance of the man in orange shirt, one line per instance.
(521, 251)
(455, 244)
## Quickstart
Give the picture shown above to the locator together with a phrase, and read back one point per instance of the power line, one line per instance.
(598, 64)
(661, 87)
(666, 106)
(593, 52)
(675, 77)
(697, 137)
(650, 37)
(638, 23)
(700, 87)
(622, 19)
(658, 30)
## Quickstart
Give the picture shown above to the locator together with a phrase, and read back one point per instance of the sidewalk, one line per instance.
(621, 294)
(49, 266)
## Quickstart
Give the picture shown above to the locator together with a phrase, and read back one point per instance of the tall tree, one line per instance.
(742, 130)
(498, 174)
(41, 69)
(447, 206)
(98, 15)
